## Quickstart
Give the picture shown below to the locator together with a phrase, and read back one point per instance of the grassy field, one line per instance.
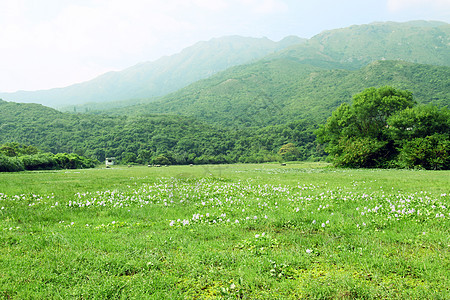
(225, 232)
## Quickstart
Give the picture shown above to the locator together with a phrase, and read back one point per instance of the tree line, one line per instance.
(16, 157)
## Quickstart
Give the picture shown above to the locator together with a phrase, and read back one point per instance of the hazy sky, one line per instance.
(55, 43)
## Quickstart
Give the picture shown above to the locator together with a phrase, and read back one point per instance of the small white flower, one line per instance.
(308, 251)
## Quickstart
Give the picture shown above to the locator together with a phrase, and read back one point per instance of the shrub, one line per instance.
(41, 161)
(431, 152)
(10, 164)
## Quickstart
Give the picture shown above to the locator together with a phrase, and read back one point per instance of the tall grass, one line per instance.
(225, 231)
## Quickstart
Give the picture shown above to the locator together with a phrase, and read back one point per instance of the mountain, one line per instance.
(356, 46)
(349, 49)
(246, 112)
(283, 90)
(165, 75)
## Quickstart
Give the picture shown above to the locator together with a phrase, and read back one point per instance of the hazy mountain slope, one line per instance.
(168, 74)
(279, 91)
(356, 46)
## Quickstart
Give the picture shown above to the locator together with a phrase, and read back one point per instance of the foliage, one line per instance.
(431, 152)
(141, 139)
(279, 91)
(10, 164)
(359, 152)
(381, 124)
(289, 152)
(418, 122)
(17, 157)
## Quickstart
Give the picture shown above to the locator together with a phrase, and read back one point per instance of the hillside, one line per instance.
(144, 138)
(280, 91)
(349, 48)
(153, 79)
(356, 46)
(247, 112)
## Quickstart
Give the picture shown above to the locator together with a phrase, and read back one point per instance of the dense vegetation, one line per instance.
(145, 138)
(280, 91)
(383, 128)
(16, 157)
(264, 111)
(246, 118)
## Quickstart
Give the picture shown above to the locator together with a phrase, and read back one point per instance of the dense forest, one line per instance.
(142, 139)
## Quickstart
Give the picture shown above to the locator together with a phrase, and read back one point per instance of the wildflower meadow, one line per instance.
(256, 231)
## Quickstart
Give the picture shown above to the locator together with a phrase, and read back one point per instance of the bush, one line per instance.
(364, 152)
(161, 160)
(41, 161)
(10, 164)
(73, 161)
(431, 153)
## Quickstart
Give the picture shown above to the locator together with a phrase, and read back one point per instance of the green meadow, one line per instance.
(253, 231)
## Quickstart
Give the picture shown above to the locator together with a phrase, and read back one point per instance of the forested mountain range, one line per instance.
(349, 48)
(160, 77)
(247, 112)
(339, 50)
(282, 90)
(356, 46)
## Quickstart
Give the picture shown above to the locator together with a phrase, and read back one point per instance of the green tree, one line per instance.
(289, 152)
(161, 160)
(129, 157)
(356, 135)
(431, 152)
(419, 122)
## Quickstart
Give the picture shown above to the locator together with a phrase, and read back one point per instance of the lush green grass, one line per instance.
(229, 231)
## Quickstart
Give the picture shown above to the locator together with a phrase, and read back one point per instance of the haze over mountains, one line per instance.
(165, 75)
(348, 48)
(232, 99)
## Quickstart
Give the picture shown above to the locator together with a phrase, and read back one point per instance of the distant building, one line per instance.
(110, 161)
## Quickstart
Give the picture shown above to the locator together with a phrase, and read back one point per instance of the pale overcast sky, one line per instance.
(55, 43)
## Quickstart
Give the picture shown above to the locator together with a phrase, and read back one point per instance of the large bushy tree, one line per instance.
(379, 129)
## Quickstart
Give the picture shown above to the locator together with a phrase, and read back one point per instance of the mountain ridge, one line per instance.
(280, 91)
(157, 78)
